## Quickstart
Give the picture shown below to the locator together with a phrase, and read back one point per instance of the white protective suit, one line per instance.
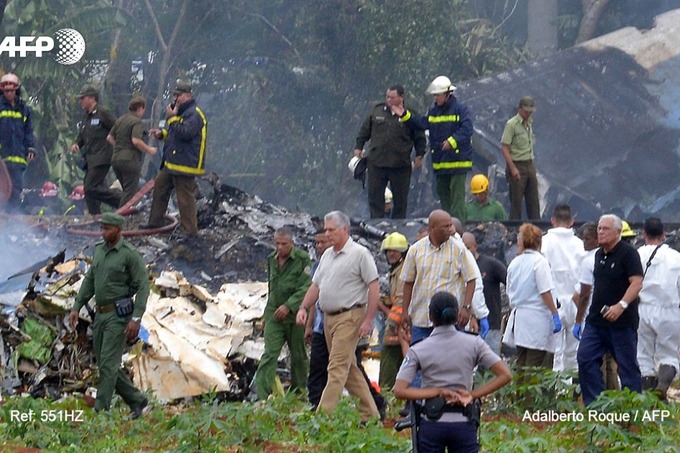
(659, 331)
(564, 251)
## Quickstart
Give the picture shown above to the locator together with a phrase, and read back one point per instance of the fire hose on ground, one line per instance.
(127, 209)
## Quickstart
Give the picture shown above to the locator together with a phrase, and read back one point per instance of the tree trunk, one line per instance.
(158, 105)
(118, 71)
(592, 10)
(542, 27)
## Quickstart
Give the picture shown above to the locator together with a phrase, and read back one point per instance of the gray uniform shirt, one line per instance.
(447, 358)
(343, 277)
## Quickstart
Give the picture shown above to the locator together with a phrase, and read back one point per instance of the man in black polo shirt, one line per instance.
(611, 325)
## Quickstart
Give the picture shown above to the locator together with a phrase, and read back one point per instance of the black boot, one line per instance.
(666, 376)
(649, 382)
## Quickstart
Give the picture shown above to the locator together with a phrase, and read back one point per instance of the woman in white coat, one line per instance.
(534, 319)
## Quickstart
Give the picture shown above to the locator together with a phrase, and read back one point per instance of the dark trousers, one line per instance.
(399, 180)
(318, 371)
(534, 357)
(595, 342)
(127, 172)
(525, 187)
(16, 175)
(109, 343)
(185, 189)
(96, 190)
(318, 368)
(436, 437)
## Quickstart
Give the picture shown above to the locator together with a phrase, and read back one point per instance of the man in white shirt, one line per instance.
(564, 251)
(659, 331)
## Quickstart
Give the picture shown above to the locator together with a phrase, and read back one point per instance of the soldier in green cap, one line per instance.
(116, 274)
(91, 143)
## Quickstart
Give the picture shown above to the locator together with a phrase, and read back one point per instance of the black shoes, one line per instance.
(148, 226)
(137, 411)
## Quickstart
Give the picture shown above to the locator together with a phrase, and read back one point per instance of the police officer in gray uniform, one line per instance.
(448, 421)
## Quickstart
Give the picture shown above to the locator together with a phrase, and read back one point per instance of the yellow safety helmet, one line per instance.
(479, 183)
(394, 241)
(439, 85)
(626, 230)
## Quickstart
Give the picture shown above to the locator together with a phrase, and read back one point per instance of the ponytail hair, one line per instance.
(443, 309)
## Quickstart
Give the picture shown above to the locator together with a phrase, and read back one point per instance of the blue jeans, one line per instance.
(435, 437)
(417, 334)
(595, 342)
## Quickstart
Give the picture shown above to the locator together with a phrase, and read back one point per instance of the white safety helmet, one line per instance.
(439, 85)
(388, 195)
(10, 80)
(352, 165)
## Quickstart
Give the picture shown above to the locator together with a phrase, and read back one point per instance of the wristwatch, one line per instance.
(136, 319)
(467, 307)
(623, 304)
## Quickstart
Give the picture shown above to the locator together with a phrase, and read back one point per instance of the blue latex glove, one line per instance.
(557, 322)
(483, 327)
(576, 331)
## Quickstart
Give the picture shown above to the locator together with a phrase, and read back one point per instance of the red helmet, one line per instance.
(78, 193)
(49, 189)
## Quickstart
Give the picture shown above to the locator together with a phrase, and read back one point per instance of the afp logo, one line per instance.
(71, 46)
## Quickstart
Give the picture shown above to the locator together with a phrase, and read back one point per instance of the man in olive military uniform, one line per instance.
(289, 269)
(127, 138)
(92, 144)
(117, 273)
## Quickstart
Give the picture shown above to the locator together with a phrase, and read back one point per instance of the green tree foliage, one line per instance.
(50, 87)
(285, 84)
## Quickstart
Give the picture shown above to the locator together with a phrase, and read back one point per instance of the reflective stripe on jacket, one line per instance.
(185, 141)
(451, 122)
(16, 131)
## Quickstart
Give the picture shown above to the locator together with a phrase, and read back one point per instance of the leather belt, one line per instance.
(106, 308)
(342, 310)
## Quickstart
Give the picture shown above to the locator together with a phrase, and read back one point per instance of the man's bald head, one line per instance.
(469, 240)
(458, 225)
(439, 226)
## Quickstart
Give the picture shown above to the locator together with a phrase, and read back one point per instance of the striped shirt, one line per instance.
(434, 269)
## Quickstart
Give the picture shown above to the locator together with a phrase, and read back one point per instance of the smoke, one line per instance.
(23, 245)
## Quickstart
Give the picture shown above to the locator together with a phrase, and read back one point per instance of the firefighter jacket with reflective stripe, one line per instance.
(185, 138)
(16, 131)
(451, 122)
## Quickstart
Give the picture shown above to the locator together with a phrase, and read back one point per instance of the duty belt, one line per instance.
(108, 308)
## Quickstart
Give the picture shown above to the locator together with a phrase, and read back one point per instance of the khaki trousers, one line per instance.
(342, 336)
(185, 189)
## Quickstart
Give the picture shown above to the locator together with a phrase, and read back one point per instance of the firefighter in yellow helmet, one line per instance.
(483, 207)
(627, 233)
(395, 246)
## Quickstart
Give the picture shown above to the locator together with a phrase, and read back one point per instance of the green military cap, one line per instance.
(111, 218)
(182, 87)
(88, 90)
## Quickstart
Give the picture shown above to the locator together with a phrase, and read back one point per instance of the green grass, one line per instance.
(285, 424)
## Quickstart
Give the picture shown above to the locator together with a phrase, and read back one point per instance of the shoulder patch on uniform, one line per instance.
(308, 270)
